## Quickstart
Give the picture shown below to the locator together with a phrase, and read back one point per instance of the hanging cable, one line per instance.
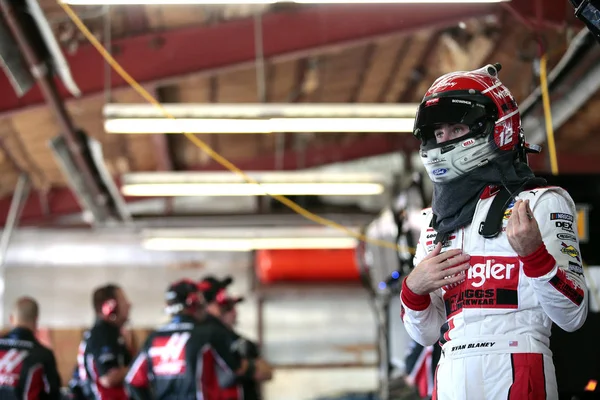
(548, 114)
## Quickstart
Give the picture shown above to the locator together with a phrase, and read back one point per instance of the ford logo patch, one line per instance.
(439, 171)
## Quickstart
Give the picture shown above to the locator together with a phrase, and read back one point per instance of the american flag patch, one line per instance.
(513, 343)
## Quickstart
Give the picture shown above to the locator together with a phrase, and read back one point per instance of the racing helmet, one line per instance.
(479, 100)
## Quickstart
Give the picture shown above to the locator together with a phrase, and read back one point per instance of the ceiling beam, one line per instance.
(166, 57)
(540, 14)
(571, 100)
(397, 64)
(418, 72)
(136, 19)
(366, 64)
(376, 144)
(62, 202)
(162, 146)
(317, 154)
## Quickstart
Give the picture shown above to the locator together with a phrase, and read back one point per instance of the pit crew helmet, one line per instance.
(479, 100)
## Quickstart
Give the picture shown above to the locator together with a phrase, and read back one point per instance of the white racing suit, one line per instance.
(495, 326)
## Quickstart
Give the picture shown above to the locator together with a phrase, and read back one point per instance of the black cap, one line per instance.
(230, 301)
(211, 286)
(181, 295)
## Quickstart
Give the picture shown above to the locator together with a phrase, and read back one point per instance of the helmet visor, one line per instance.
(438, 111)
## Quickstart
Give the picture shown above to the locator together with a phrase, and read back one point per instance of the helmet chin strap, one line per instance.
(492, 226)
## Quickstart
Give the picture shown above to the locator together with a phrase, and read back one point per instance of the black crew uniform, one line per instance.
(185, 360)
(75, 389)
(417, 367)
(27, 369)
(80, 387)
(248, 350)
(105, 349)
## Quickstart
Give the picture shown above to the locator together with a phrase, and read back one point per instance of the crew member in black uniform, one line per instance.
(106, 357)
(217, 304)
(79, 386)
(187, 358)
(75, 387)
(421, 363)
(247, 348)
(27, 368)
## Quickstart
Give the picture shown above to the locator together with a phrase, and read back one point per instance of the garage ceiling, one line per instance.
(346, 54)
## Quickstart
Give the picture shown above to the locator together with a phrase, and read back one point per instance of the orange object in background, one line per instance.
(591, 386)
(306, 265)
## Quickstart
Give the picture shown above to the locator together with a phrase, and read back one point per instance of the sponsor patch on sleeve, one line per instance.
(576, 268)
(570, 250)
(566, 236)
(106, 355)
(567, 287)
(561, 216)
(564, 225)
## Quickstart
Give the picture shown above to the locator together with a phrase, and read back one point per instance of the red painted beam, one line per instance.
(540, 14)
(62, 202)
(317, 154)
(373, 145)
(161, 56)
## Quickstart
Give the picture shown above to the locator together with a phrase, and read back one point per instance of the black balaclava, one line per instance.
(454, 202)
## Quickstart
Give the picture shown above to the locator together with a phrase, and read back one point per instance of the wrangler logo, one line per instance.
(479, 273)
(491, 283)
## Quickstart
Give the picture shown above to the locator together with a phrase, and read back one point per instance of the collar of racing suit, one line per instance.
(454, 202)
(104, 324)
(211, 319)
(182, 318)
(22, 334)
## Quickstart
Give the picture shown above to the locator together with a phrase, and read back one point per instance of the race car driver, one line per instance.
(27, 369)
(498, 259)
(106, 357)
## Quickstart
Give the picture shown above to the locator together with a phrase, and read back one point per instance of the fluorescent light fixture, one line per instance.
(206, 244)
(261, 110)
(166, 184)
(238, 2)
(250, 189)
(291, 125)
(258, 118)
(235, 239)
